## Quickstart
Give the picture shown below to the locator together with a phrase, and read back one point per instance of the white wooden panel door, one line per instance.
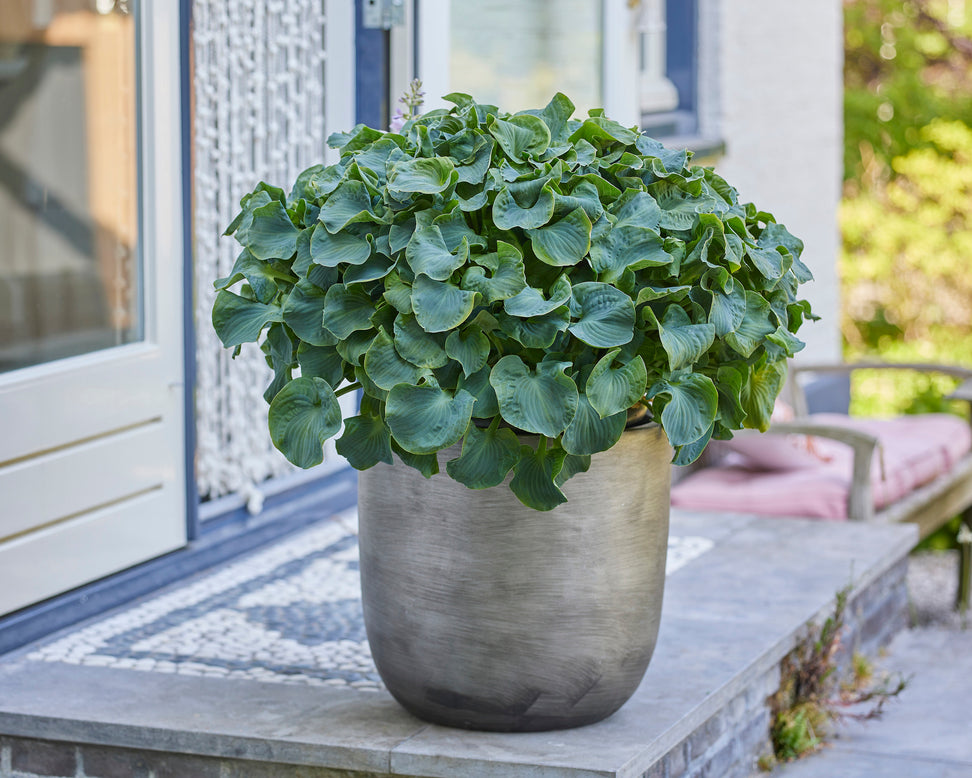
(92, 471)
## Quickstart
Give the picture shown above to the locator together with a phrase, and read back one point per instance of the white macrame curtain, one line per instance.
(258, 116)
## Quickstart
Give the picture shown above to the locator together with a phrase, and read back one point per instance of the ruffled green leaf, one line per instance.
(469, 347)
(418, 346)
(507, 213)
(589, 432)
(636, 209)
(398, 293)
(565, 242)
(542, 401)
(377, 266)
(573, 464)
(610, 389)
(331, 250)
(365, 442)
(603, 315)
(347, 204)
(533, 482)
(427, 176)
(507, 274)
(303, 312)
(385, 366)
(426, 419)
(272, 235)
(439, 306)
(427, 253)
(347, 310)
(321, 361)
(303, 415)
(353, 348)
(728, 309)
(622, 248)
(691, 408)
(530, 302)
(487, 457)
(238, 320)
(755, 326)
(258, 273)
(520, 136)
(684, 342)
(759, 393)
(536, 331)
(426, 464)
(649, 293)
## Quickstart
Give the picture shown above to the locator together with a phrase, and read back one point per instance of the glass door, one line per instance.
(91, 363)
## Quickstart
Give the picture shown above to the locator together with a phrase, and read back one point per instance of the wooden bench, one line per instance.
(931, 505)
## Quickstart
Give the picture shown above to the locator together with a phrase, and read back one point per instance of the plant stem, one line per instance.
(346, 389)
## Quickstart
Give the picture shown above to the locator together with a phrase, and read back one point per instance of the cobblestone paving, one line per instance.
(290, 613)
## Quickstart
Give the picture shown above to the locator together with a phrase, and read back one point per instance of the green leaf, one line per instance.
(687, 454)
(378, 266)
(573, 464)
(347, 204)
(589, 433)
(611, 390)
(507, 213)
(303, 312)
(486, 459)
(565, 242)
(238, 320)
(520, 136)
(469, 347)
(426, 464)
(759, 393)
(506, 267)
(636, 209)
(728, 309)
(729, 382)
(385, 366)
(541, 401)
(258, 273)
(321, 361)
(427, 253)
(604, 316)
(648, 293)
(398, 293)
(439, 306)
(533, 482)
(478, 386)
(628, 247)
(331, 250)
(303, 415)
(428, 176)
(426, 419)
(755, 326)
(365, 442)
(476, 170)
(353, 348)
(272, 235)
(347, 310)
(684, 342)
(418, 346)
(691, 408)
(530, 302)
(536, 331)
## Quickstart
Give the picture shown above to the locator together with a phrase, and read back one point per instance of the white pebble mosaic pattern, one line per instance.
(290, 613)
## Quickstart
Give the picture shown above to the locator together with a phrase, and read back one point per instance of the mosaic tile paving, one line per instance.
(290, 613)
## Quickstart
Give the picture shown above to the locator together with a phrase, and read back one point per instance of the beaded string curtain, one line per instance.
(259, 115)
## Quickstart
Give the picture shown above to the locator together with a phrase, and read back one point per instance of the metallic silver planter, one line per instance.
(484, 614)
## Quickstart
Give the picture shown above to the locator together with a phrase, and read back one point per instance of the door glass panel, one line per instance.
(69, 269)
(517, 54)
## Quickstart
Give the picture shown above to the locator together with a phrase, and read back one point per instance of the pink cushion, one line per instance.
(915, 450)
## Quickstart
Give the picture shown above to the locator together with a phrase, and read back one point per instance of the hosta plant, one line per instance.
(480, 274)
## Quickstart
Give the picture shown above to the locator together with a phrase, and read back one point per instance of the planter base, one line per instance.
(484, 614)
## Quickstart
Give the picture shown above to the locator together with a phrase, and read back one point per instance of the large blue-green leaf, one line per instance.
(321, 361)
(427, 253)
(610, 389)
(507, 213)
(759, 393)
(455, 229)
(426, 464)
(535, 331)
(541, 401)
(475, 171)
(636, 209)
(353, 348)
(683, 341)
(347, 310)
(398, 293)
(377, 266)
(487, 457)
(385, 366)
(627, 247)
(331, 250)
(272, 235)
(648, 293)
(533, 482)
(520, 136)
(469, 347)
(603, 315)
(755, 326)
(303, 312)
(680, 210)
(428, 176)
(238, 320)
(303, 415)
(691, 408)
(506, 267)
(478, 386)
(439, 306)
(565, 242)
(426, 419)
(530, 302)
(728, 309)
(573, 464)
(259, 274)
(589, 433)
(365, 442)
(584, 195)
(347, 204)
(418, 346)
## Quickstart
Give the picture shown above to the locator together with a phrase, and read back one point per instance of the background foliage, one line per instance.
(907, 238)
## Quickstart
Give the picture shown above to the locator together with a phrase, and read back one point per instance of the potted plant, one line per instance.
(509, 293)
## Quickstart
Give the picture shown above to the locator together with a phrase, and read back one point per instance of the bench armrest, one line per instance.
(860, 503)
(956, 371)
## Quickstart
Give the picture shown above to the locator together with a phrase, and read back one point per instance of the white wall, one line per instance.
(780, 114)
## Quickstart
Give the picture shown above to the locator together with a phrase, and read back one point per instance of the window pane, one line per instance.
(69, 280)
(517, 54)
